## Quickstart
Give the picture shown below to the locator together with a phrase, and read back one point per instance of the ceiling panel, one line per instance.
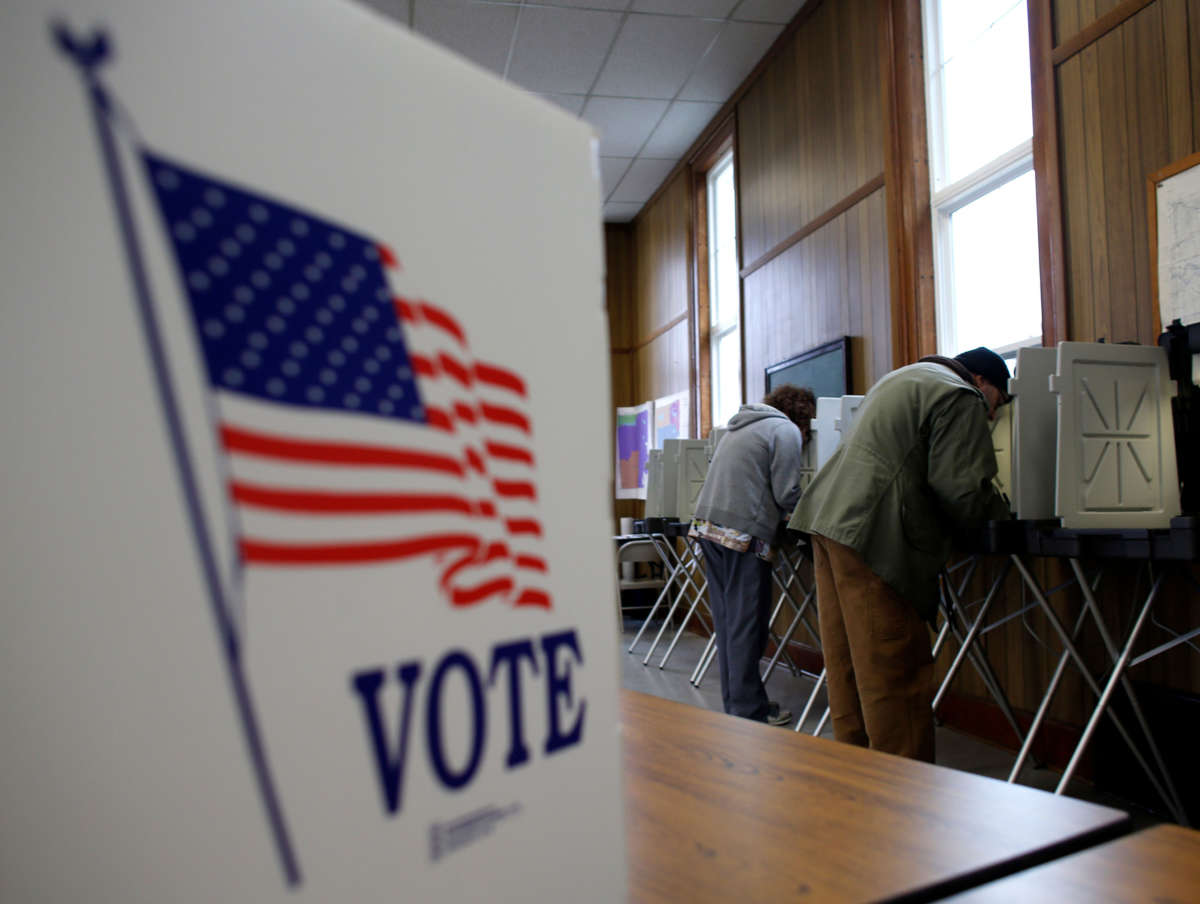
(612, 169)
(561, 50)
(654, 55)
(615, 212)
(737, 51)
(647, 75)
(572, 103)
(644, 177)
(713, 8)
(623, 124)
(679, 128)
(481, 33)
(780, 11)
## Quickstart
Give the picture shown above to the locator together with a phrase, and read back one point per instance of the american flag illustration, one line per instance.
(355, 424)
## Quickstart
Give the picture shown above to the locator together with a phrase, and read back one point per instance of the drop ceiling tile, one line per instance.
(781, 11)
(679, 128)
(718, 8)
(620, 213)
(393, 9)
(643, 179)
(561, 50)
(737, 51)
(612, 169)
(623, 124)
(594, 4)
(481, 33)
(654, 55)
(572, 103)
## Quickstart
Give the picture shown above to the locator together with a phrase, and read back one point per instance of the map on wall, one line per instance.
(633, 448)
(1178, 203)
(672, 418)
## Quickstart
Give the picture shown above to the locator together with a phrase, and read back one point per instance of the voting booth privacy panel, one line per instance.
(297, 523)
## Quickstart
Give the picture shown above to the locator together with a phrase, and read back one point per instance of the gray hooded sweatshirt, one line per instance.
(753, 482)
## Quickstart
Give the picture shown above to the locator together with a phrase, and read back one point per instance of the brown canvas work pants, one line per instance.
(878, 661)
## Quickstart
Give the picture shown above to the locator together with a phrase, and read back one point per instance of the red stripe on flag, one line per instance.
(422, 365)
(262, 552)
(511, 489)
(263, 445)
(465, 412)
(404, 309)
(439, 419)
(498, 376)
(323, 502)
(530, 597)
(509, 453)
(487, 508)
(456, 369)
(498, 414)
(439, 318)
(475, 460)
(386, 256)
(464, 596)
(532, 562)
(523, 526)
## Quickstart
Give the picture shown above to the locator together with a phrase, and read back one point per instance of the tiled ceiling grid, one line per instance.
(648, 75)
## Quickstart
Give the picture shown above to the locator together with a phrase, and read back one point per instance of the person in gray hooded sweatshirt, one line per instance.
(753, 483)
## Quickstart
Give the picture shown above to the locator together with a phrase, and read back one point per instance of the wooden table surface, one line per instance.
(727, 810)
(1161, 864)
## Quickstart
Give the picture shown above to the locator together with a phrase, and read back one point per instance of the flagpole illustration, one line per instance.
(88, 55)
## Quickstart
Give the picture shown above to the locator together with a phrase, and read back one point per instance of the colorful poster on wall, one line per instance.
(672, 418)
(302, 539)
(634, 429)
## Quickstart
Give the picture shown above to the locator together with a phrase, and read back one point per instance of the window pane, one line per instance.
(997, 287)
(723, 245)
(984, 82)
(727, 377)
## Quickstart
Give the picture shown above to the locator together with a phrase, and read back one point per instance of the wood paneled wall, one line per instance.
(1128, 105)
(810, 135)
(662, 243)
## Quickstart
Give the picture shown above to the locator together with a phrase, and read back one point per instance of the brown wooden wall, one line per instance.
(1128, 105)
(809, 137)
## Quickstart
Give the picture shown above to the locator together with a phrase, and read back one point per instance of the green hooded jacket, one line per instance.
(916, 467)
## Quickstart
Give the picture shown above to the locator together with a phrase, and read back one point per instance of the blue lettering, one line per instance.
(433, 716)
(558, 684)
(561, 652)
(391, 768)
(512, 653)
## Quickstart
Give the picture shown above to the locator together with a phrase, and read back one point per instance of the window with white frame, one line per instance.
(724, 303)
(984, 211)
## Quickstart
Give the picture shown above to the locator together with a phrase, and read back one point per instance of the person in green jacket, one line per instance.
(916, 467)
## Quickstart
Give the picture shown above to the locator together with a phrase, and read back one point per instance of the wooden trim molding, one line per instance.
(906, 174)
(1152, 181)
(860, 194)
(1047, 176)
(642, 343)
(1098, 29)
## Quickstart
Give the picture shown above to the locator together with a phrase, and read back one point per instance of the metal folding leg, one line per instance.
(672, 571)
(1121, 662)
(785, 565)
(967, 649)
(1103, 695)
(686, 565)
(698, 601)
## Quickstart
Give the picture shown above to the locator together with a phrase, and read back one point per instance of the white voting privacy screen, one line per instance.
(1001, 427)
(1116, 439)
(304, 534)
(1035, 420)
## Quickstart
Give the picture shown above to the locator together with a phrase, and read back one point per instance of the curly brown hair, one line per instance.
(797, 402)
